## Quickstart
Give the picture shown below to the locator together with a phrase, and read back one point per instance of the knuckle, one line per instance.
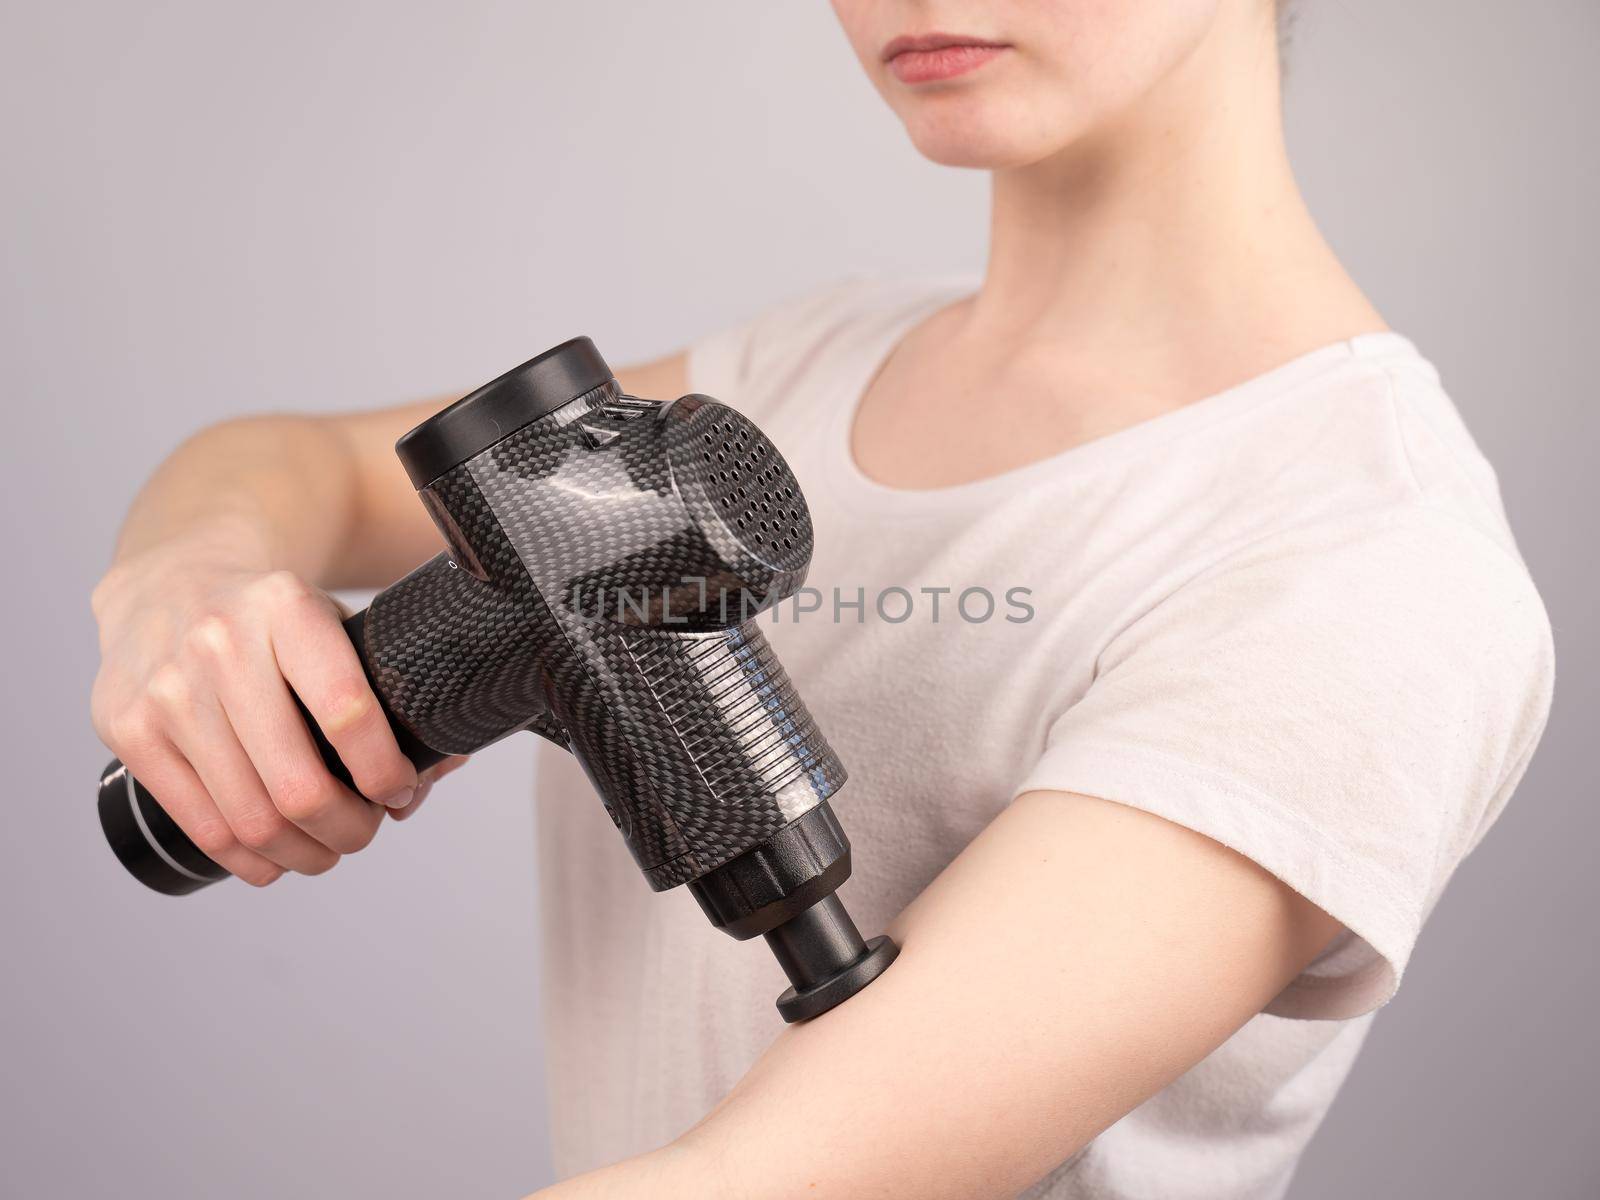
(213, 838)
(304, 795)
(131, 731)
(101, 595)
(106, 589)
(284, 588)
(170, 688)
(349, 706)
(213, 636)
(259, 831)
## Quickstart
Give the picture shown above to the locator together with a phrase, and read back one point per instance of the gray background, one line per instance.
(219, 208)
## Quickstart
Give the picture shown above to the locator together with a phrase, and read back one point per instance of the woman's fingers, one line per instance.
(315, 656)
(298, 782)
(212, 748)
(424, 786)
(196, 693)
(236, 661)
(158, 765)
(425, 783)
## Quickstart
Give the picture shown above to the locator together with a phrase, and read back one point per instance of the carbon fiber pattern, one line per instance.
(606, 565)
(725, 745)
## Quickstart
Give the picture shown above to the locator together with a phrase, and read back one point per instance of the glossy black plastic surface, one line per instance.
(480, 419)
(800, 865)
(607, 563)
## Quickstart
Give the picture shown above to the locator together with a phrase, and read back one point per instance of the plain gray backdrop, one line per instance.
(215, 208)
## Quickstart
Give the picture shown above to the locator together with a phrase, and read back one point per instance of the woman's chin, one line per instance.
(979, 144)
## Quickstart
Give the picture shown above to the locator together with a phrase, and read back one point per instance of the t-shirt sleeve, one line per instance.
(1348, 704)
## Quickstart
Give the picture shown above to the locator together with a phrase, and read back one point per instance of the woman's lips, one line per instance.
(936, 56)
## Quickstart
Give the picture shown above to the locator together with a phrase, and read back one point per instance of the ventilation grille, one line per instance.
(736, 474)
(752, 488)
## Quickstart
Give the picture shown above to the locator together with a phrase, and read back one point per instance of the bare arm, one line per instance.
(1074, 959)
(212, 612)
(324, 498)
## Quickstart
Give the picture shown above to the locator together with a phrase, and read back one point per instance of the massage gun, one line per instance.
(607, 557)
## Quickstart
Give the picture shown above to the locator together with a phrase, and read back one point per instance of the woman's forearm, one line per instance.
(274, 492)
(321, 497)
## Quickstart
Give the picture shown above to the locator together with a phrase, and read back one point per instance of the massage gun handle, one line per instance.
(159, 854)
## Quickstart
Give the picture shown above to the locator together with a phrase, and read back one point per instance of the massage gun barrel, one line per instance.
(159, 854)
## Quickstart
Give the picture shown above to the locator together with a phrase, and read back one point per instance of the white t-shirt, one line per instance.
(1290, 616)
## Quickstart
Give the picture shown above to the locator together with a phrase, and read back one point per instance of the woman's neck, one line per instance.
(1163, 260)
(1175, 226)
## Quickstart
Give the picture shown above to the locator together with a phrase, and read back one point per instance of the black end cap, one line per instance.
(801, 1004)
(132, 820)
(501, 407)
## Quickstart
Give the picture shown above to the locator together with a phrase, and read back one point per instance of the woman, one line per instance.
(1156, 834)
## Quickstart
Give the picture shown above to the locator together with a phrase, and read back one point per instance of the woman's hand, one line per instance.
(201, 645)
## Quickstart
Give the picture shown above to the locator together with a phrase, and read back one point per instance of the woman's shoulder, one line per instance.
(1395, 404)
(817, 332)
(1361, 427)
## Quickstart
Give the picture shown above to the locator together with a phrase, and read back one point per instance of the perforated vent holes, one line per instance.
(747, 483)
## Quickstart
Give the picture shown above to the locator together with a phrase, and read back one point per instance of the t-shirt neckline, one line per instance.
(873, 353)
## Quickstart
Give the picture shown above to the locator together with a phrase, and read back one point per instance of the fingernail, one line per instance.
(422, 794)
(398, 799)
